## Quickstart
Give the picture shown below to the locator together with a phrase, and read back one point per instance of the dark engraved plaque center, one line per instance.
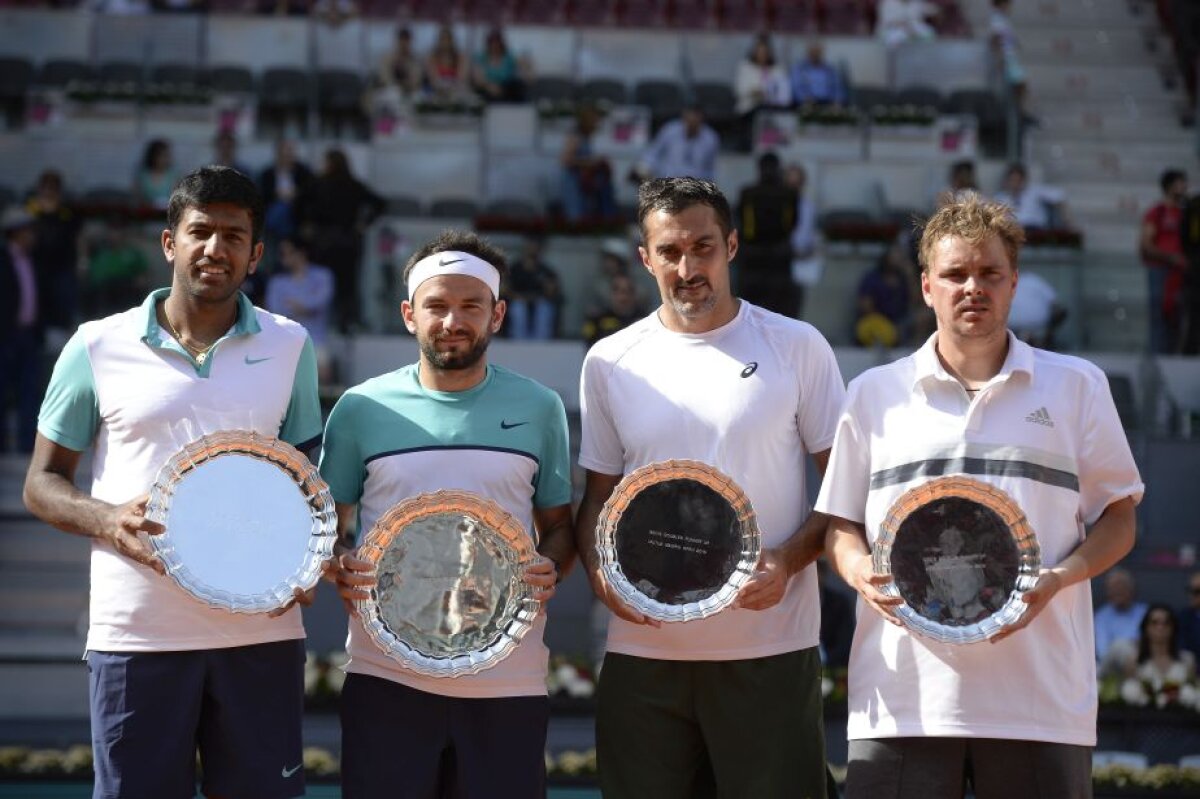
(678, 541)
(954, 561)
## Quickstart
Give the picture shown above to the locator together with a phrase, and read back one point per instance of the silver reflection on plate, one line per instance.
(677, 540)
(449, 598)
(960, 553)
(248, 520)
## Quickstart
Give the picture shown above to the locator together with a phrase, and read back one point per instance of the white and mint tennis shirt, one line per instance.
(124, 386)
(505, 439)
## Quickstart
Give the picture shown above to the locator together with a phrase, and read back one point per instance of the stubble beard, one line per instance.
(690, 309)
(455, 361)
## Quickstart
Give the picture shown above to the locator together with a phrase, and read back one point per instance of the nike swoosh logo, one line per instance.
(511, 425)
(447, 263)
(287, 772)
(251, 361)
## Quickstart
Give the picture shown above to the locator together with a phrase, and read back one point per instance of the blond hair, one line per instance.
(968, 216)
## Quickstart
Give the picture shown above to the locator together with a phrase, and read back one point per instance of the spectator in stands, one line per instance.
(21, 329)
(303, 292)
(534, 295)
(281, 183)
(155, 176)
(57, 231)
(622, 310)
(333, 12)
(901, 21)
(1189, 617)
(961, 179)
(766, 216)
(447, 72)
(761, 82)
(334, 212)
(497, 74)
(117, 270)
(815, 81)
(883, 301)
(1162, 669)
(1033, 204)
(1117, 621)
(225, 153)
(1035, 313)
(400, 70)
(807, 262)
(1006, 56)
(587, 187)
(1166, 264)
(614, 261)
(682, 147)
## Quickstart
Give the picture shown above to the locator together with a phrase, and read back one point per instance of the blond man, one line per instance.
(1014, 715)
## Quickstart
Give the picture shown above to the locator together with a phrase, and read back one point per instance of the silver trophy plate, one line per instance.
(960, 553)
(677, 540)
(248, 520)
(449, 598)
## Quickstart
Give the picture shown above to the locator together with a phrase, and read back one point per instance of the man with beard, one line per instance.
(1016, 715)
(170, 675)
(728, 705)
(449, 421)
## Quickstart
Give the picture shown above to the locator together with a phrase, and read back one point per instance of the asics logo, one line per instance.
(750, 369)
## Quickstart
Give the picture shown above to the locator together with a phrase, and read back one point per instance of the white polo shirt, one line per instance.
(1044, 430)
(124, 386)
(751, 399)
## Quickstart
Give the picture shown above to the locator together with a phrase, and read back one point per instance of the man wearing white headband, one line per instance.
(449, 421)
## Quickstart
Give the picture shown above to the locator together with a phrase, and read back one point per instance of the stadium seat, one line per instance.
(106, 199)
(868, 97)
(453, 208)
(926, 96)
(284, 94)
(57, 73)
(604, 90)
(339, 99)
(664, 99)
(552, 89)
(16, 76)
(178, 74)
(403, 205)
(120, 72)
(593, 13)
(643, 13)
(512, 208)
(231, 80)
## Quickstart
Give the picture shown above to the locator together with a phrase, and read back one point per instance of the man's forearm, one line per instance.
(557, 543)
(845, 545)
(57, 501)
(806, 544)
(585, 533)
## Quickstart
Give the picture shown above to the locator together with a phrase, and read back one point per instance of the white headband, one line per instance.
(453, 262)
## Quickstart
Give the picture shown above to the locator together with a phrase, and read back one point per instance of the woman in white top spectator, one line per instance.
(761, 79)
(447, 69)
(1164, 674)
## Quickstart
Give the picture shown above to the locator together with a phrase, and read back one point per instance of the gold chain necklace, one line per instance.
(200, 354)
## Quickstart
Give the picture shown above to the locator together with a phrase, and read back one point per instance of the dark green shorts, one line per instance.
(681, 729)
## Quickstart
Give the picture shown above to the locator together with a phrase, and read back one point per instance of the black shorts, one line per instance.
(240, 707)
(401, 743)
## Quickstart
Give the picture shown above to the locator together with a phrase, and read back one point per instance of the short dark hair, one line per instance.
(675, 195)
(1170, 176)
(210, 185)
(466, 241)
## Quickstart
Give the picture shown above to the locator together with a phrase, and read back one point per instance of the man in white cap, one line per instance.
(449, 421)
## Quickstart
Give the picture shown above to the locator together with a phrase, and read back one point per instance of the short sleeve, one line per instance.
(302, 422)
(848, 476)
(600, 446)
(554, 462)
(822, 395)
(342, 465)
(70, 414)
(1107, 471)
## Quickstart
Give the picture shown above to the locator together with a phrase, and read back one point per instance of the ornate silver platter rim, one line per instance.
(318, 541)
(998, 501)
(522, 608)
(659, 472)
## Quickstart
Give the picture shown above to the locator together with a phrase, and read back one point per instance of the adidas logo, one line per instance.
(1040, 416)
